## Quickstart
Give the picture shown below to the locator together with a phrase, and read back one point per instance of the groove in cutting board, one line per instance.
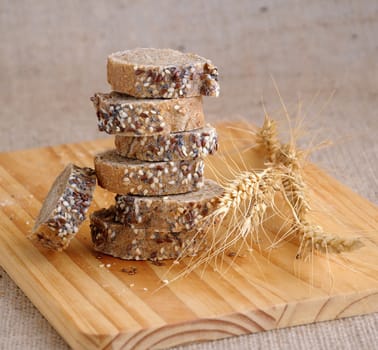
(98, 307)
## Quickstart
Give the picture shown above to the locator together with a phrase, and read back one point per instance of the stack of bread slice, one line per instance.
(157, 168)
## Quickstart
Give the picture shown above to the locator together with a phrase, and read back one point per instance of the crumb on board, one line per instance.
(131, 270)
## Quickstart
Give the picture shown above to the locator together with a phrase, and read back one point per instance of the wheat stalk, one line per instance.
(241, 210)
(235, 224)
(290, 160)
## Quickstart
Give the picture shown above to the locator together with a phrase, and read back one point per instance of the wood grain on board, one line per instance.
(93, 303)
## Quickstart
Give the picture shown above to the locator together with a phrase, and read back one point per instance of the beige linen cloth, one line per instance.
(52, 58)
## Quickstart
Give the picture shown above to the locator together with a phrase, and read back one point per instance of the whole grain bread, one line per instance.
(173, 213)
(123, 241)
(166, 147)
(65, 207)
(128, 176)
(161, 73)
(119, 113)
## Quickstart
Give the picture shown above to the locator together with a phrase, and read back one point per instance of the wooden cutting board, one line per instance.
(94, 305)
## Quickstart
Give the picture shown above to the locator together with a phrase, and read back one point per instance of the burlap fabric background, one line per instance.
(323, 55)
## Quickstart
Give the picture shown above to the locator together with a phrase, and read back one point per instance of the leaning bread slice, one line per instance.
(175, 146)
(119, 113)
(128, 176)
(65, 207)
(125, 242)
(162, 73)
(173, 213)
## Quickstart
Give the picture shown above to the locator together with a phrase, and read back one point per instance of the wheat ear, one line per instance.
(267, 137)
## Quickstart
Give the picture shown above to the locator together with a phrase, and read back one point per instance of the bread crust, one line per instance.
(172, 213)
(161, 73)
(127, 176)
(123, 241)
(167, 147)
(122, 114)
(64, 208)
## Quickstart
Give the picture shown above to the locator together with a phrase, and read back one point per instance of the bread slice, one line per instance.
(175, 146)
(119, 113)
(162, 73)
(128, 176)
(173, 213)
(65, 207)
(125, 242)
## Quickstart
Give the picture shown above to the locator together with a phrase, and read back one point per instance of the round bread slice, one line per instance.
(119, 113)
(65, 207)
(126, 242)
(173, 213)
(175, 146)
(161, 73)
(129, 176)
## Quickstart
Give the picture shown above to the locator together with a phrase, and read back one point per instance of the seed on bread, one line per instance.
(118, 113)
(166, 147)
(161, 73)
(65, 207)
